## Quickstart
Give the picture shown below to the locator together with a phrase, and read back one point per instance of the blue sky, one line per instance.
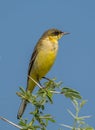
(21, 25)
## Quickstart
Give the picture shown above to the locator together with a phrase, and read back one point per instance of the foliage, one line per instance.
(40, 120)
(78, 121)
(45, 95)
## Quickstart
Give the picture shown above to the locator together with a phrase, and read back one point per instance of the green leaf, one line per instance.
(83, 103)
(70, 93)
(23, 122)
(89, 128)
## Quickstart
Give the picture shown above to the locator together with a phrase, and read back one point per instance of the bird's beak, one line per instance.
(65, 33)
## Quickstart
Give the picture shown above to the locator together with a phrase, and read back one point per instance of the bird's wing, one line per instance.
(32, 60)
(33, 57)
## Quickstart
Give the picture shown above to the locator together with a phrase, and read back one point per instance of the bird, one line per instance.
(42, 59)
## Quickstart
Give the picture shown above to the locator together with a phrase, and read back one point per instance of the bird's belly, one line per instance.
(44, 62)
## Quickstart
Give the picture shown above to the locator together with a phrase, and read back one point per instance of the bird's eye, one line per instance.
(56, 33)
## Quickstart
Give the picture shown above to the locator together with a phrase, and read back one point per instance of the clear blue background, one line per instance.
(22, 22)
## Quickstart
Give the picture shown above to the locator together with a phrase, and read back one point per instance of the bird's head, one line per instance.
(54, 34)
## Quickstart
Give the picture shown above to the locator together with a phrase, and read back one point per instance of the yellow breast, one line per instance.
(45, 58)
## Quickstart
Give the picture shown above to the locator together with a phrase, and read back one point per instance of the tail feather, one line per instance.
(21, 109)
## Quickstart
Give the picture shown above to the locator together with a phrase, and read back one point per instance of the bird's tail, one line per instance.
(21, 108)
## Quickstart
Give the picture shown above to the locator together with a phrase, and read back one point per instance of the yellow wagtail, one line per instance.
(42, 59)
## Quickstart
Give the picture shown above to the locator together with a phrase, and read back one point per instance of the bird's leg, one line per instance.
(42, 87)
(46, 78)
(40, 82)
